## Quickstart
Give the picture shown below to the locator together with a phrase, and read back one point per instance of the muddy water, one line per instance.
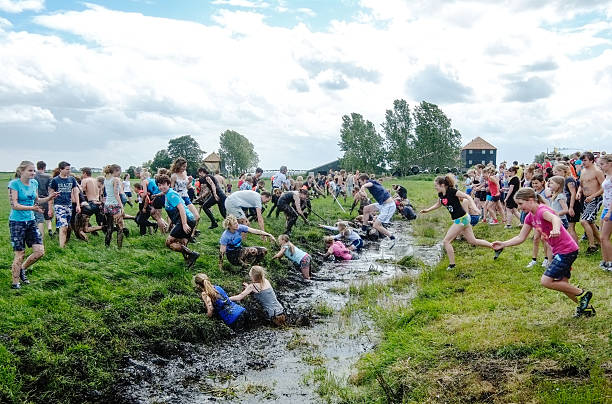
(266, 364)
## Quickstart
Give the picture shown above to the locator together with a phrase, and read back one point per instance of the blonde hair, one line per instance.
(21, 167)
(229, 221)
(562, 168)
(328, 239)
(525, 194)
(258, 274)
(111, 168)
(560, 181)
(606, 157)
(283, 238)
(202, 282)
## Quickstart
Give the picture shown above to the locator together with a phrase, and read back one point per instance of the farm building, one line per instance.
(478, 151)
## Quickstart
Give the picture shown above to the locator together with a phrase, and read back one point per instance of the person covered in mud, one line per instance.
(345, 232)
(360, 200)
(263, 292)
(231, 243)
(405, 208)
(218, 302)
(401, 192)
(290, 203)
(337, 249)
(451, 198)
(294, 254)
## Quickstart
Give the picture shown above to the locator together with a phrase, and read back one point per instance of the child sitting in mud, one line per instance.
(264, 294)
(337, 249)
(294, 254)
(217, 302)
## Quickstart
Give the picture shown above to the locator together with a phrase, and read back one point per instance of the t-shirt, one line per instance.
(127, 186)
(563, 244)
(245, 199)
(43, 184)
(516, 183)
(566, 190)
(233, 241)
(279, 180)
(152, 186)
(297, 256)
(340, 251)
(378, 192)
(225, 308)
(246, 186)
(556, 204)
(64, 186)
(26, 196)
(173, 200)
(451, 202)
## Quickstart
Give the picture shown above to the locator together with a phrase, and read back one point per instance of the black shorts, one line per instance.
(495, 198)
(178, 232)
(577, 212)
(510, 203)
(159, 201)
(90, 209)
(481, 195)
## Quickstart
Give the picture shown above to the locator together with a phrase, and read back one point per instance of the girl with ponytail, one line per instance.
(450, 198)
(564, 249)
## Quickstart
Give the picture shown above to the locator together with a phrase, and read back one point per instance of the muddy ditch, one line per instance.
(268, 364)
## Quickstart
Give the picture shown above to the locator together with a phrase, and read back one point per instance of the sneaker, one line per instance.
(15, 286)
(23, 277)
(213, 225)
(545, 263)
(592, 249)
(497, 253)
(531, 264)
(589, 311)
(450, 267)
(191, 259)
(508, 226)
(494, 222)
(50, 233)
(584, 298)
(603, 265)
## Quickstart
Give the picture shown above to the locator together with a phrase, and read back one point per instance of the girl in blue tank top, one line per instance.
(218, 302)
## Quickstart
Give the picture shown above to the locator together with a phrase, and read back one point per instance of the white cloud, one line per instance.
(18, 6)
(132, 82)
(241, 3)
(309, 12)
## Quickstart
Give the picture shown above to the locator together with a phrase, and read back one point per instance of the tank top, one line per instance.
(225, 308)
(493, 187)
(180, 186)
(607, 194)
(297, 256)
(205, 183)
(452, 203)
(269, 302)
(110, 193)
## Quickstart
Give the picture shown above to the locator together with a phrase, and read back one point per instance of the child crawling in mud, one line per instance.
(294, 254)
(338, 250)
(218, 302)
(262, 290)
(347, 233)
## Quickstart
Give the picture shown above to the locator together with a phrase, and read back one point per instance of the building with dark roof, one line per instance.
(478, 151)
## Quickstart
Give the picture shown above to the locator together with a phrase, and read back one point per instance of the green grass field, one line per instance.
(485, 332)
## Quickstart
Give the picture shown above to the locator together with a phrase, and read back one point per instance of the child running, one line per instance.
(606, 215)
(218, 302)
(563, 246)
(264, 294)
(450, 198)
(294, 254)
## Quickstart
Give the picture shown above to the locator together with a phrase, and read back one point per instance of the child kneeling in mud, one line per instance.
(294, 254)
(218, 302)
(264, 294)
(337, 249)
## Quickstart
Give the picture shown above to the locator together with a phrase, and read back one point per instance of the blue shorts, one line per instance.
(186, 200)
(63, 215)
(468, 191)
(561, 266)
(474, 219)
(24, 233)
(358, 244)
(604, 213)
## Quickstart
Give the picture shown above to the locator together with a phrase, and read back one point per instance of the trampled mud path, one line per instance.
(272, 365)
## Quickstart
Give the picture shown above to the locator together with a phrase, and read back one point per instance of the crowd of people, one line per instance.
(549, 198)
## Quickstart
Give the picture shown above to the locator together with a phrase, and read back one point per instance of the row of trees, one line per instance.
(422, 137)
(236, 152)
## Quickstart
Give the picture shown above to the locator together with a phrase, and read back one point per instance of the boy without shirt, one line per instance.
(93, 205)
(590, 192)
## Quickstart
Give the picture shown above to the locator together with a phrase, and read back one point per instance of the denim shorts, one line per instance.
(561, 266)
(24, 233)
(474, 219)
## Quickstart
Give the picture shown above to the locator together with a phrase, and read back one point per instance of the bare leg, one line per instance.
(38, 250)
(378, 226)
(63, 236)
(561, 285)
(606, 245)
(536, 243)
(451, 234)
(16, 267)
(468, 233)
(588, 230)
(572, 231)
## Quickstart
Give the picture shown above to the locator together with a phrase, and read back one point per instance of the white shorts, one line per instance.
(386, 211)
(234, 210)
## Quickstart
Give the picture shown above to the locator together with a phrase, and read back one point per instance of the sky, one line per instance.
(95, 83)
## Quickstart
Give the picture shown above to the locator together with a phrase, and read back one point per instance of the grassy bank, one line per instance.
(64, 337)
(485, 332)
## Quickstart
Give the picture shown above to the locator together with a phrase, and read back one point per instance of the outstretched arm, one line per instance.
(247, 291)
(516, 240)
(432, 207)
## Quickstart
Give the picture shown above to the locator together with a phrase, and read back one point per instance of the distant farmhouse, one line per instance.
(478, 151)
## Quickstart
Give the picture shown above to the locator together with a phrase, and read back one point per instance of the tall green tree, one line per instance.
(237, 153)
(436, 144)
(160, 160)
(361, 144)
(399, 137)
(188, 148)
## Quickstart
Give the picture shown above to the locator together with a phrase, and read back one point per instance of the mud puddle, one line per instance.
(272, 365)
